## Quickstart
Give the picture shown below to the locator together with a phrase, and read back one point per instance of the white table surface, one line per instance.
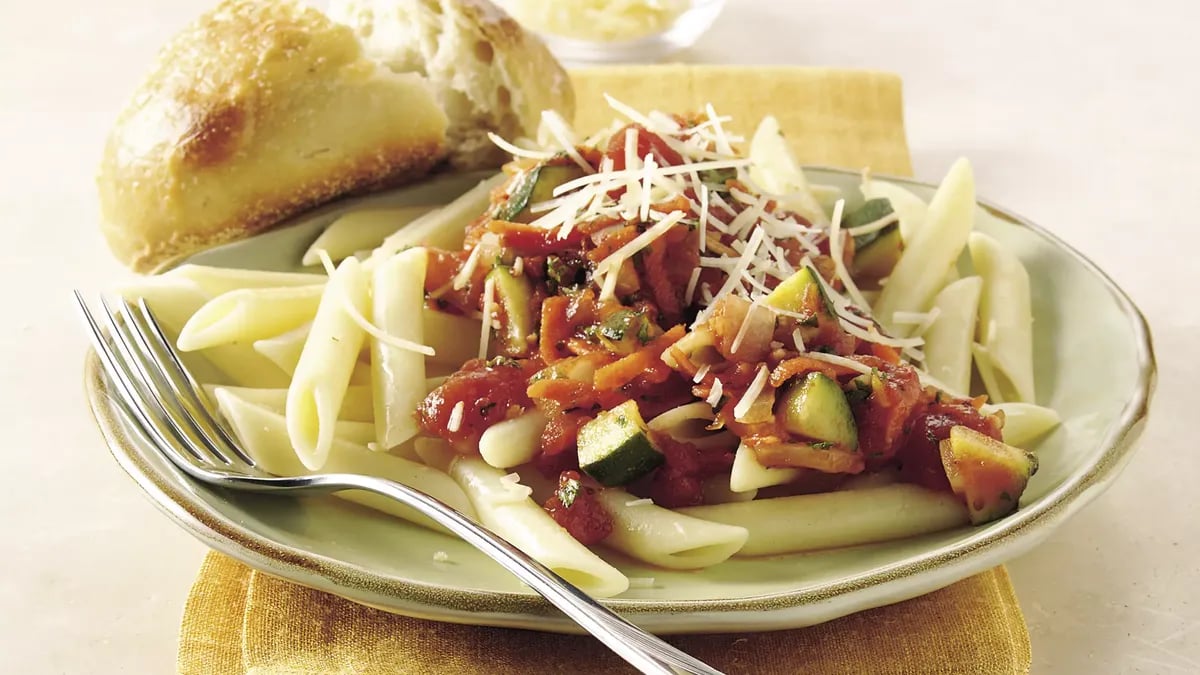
(1083, 117)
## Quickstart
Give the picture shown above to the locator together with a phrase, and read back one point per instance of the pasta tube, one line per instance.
(326, 365)
(1005, 318)
(360, 230)
(836, 519)
(948, 339)
(249, 314)
(749, 474)
(513, 442)
(1025, 422)
(505, 508)
(667, 538)
(214, 281)
(444, 227)
(922, 267)
(398, 295)
(263, 435)
(356, 406)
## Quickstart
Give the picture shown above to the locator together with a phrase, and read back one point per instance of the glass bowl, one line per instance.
(594, 31)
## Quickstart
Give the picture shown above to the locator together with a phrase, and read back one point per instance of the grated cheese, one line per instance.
(456, 417)
(690, 292)
(561, 132)
(368, 327)
(714, 396)
(639, 242)
(841, 361)
(640, 502)
(489, 302)
(835, 252)
(517, 151)
(756, 387)
(703, 216)
(700, 373)
(798, 339)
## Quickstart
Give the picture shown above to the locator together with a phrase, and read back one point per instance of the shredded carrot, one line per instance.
(889, 354)
(802, 365)
(567, 393)
(555, 330)
(642, 362)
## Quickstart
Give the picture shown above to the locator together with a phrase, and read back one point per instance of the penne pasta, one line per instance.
(214, 281)
(356, 406)
(398, 295)
(456, 337)
(1005, 319)
(948, 339)
(326, 365)
(911, 210)
(441, 228)
(664, 537)
(284, 349)
(922, 267)
(513, 442)
(776, 171)
(263, 436)
(688, 424)
(1025, 423)
(249, 314)
(359, 230)
(173, 302)
(504, 507)
(749, 474)
(836, 519)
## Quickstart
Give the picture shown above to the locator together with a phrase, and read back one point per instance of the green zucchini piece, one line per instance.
(616, 448)
(789, 294)
(877, 259)
(536, 185)
(816, 408)
(625, 331)
(515, 295)
(988, 475)
(871, 211)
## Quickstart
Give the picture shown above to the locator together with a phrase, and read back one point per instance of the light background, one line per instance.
(1084, 116)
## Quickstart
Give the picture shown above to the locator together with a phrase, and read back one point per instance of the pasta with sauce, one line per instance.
(682, 360)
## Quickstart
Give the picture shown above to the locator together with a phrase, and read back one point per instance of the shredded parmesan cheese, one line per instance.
(456, 417)
(756, 387)
(489, 302)
(714, 396)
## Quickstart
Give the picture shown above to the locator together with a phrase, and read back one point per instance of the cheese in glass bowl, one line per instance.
(615, 31)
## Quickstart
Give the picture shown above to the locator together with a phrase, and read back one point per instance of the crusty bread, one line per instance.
(487, 72)
(258, 110)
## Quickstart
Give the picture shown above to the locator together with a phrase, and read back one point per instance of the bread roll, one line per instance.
(258, 110)
(486, 71)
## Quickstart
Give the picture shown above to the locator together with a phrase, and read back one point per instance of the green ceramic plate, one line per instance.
(1081, 320)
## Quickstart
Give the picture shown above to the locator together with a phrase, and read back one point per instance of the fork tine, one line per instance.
(169, 370)
(128, 393)
(169, 410)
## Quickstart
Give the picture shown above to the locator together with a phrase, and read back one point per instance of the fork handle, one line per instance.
(646, 652)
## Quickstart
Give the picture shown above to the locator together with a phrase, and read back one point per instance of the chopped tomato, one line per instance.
(648, 142)
(575, 507)
(883, 415)
(919, 456)
(680, 480)
(488, 394)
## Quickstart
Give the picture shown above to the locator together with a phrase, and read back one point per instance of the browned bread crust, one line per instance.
(258, 110)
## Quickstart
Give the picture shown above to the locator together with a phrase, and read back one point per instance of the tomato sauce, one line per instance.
(489, 394)
(582, 515)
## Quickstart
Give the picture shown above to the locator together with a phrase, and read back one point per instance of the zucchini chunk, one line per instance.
(878, 258)
(616, 448)
(986, 474)
(515, 295)
(871, 211)
(790, 293)
(816, 408)
(535, 186)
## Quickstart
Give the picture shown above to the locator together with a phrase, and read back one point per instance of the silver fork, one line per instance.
(167, 409)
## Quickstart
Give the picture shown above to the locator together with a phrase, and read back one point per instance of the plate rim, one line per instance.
(914, 576)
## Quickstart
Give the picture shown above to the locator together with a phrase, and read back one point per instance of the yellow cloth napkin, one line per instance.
(238, 621)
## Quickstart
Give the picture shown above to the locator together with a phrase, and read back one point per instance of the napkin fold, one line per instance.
(240, 621)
